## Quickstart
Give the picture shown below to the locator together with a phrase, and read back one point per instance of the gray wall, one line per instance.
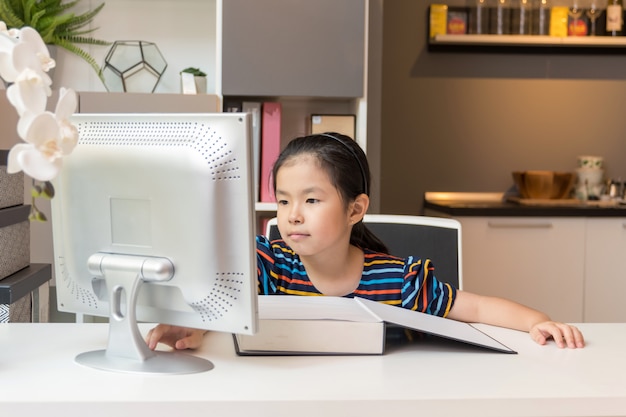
(464, 121)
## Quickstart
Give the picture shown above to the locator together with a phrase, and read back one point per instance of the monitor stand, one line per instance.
(126, 349)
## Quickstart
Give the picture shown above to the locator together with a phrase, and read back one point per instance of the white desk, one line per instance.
(38, 377)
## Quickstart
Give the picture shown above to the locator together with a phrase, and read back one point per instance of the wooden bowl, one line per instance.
(544, 184)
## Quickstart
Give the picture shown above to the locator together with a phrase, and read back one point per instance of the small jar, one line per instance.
(616, 189)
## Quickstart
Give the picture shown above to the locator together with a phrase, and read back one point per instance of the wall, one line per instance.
(464, 121)
(163, 22)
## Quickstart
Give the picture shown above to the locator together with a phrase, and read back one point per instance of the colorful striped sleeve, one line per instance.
(423, 292)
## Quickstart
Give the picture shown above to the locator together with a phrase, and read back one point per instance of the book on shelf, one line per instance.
(233, 105)
(270, 146)
(254, 108)
(299, 325)
(236, 105)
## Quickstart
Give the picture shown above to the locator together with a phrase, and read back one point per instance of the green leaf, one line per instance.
(36, 215)
(35, 191)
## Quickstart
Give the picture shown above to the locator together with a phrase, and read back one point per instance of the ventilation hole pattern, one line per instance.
(80, 294)
(195, 135)
(222, 297)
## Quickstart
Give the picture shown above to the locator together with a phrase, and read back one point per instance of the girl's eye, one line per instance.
(282, 202)
(312, 200)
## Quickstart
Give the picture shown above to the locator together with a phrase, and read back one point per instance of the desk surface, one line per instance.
(38, 376)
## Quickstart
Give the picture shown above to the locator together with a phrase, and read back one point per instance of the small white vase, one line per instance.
(200, 84)
(198, 87)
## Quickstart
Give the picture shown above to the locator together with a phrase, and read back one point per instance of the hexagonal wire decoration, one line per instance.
(133, 67)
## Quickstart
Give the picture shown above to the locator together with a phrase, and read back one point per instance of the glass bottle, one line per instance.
(541, 17)
(500, 18)
(521, 15)
(478, 17)
(614, 18)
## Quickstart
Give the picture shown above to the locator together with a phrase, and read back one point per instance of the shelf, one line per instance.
(265, 207)
(15, 286)
(534, 43)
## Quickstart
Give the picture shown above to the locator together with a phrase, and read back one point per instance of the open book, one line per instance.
(293, 325)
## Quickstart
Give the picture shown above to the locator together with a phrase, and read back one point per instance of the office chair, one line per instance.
(434, 238)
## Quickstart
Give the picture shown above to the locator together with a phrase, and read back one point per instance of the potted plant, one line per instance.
(55, 23)
(199, 77)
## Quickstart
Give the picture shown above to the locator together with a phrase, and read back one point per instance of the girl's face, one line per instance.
(312, 217)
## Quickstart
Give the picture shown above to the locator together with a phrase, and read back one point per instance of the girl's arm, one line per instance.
(474, 308)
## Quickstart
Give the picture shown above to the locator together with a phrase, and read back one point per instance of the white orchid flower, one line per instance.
(21, 50)
(48, 138)
(28, 93)
(41, 55)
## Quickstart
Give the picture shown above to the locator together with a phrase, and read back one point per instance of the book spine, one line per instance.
(254, 108)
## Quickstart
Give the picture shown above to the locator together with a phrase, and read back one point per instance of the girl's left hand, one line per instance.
(564, 335)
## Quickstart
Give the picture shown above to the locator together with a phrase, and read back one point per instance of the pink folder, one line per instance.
(270, 147)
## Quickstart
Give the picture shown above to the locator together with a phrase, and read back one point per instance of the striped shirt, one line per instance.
(404, 282)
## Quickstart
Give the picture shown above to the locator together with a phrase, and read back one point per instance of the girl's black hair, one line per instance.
(347, 167)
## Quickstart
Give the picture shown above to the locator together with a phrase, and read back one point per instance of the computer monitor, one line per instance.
(153, 220)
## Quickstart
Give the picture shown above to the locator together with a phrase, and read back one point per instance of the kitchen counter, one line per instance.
(495, 205)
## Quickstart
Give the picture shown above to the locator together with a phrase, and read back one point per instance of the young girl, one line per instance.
(321, 184)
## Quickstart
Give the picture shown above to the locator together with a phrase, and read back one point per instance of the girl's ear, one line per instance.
(358, 208)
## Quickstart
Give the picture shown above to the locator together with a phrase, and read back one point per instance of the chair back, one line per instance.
(434, 238)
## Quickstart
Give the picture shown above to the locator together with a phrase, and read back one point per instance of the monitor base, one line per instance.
(166, 363)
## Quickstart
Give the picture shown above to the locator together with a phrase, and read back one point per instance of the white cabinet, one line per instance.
(605, 270)
(293, 48)
(539, 262)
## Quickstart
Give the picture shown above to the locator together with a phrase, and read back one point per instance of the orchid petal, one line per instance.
(7, 69)
(67, 104)
(31, 36)
(43, 128)
(28, 93)
(6, 42)
(23, 124)
(36, 165)
(69, 136)
(40, 50)
(13, 165)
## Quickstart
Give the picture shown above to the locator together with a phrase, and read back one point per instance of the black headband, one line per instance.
(363, 174)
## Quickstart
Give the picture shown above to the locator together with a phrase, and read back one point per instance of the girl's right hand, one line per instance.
(176, 337)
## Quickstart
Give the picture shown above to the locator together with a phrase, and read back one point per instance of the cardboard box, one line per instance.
(339, 123)
(24, 295)
(14, 239)
(11, 185)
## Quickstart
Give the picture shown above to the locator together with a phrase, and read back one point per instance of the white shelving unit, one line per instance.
(312, 57)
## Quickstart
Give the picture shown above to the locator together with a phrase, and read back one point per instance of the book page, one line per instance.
(438, 326)
(293, 307)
